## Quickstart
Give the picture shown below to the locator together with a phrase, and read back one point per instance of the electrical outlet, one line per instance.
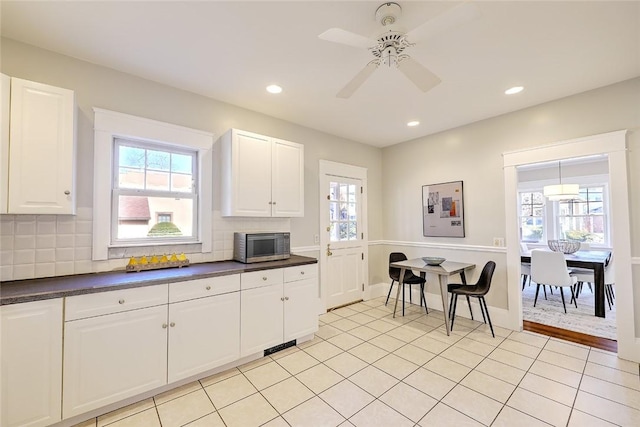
(316, 238)
(498, 241)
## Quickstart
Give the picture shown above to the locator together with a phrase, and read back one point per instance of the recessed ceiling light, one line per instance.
(274, 89)
(413, 123)
(514, 90)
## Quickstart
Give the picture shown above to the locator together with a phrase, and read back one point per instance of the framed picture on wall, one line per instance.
(443, 210)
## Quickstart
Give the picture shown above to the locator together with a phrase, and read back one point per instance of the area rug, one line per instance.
(581, 319)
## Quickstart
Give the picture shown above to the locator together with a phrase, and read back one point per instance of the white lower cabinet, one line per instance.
(278, 312)
(300, 308)
(203, 334)
(167, 333)
(261, 318)
(120, 344)
(31, 363)
(111, 357)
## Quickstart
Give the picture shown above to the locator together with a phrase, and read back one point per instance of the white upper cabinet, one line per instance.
(261, 176)
(40, 150)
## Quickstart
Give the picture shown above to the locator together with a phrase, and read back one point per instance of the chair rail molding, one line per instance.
(446, 246)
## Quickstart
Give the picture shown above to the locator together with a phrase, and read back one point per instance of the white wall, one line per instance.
(473, 153)
(40, 246)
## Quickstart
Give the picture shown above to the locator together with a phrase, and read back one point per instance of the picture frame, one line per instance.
(443, 209)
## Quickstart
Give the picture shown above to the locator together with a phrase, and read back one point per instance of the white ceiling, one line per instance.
(231, 51)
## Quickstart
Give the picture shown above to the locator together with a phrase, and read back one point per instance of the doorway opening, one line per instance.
(614, 145)
(583, 218)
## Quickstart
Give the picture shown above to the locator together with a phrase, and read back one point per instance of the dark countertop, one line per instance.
(63, 286)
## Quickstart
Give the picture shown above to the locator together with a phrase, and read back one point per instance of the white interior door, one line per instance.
(343, 252)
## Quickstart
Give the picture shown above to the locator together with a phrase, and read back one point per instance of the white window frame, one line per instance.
(117, 191)
(551, 210)
(605, 215)
(110, 125)
(544, 216)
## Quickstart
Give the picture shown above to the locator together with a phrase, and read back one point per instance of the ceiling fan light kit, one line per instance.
(388, 13)
(388, 48)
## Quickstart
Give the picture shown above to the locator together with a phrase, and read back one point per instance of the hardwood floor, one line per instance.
(577, 337)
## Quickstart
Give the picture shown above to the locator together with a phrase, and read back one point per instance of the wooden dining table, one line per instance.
(444, 271)
(592, 260)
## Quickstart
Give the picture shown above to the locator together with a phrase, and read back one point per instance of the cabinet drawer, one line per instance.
(257, 279)
(300, 272)
(81, 306)
(192, 289)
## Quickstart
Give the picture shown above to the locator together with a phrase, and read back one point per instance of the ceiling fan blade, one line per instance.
(419, 75)
(461, 14)
(357, 81)
(338, 35)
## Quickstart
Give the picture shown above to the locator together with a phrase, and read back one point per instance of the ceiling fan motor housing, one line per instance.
(388, 13)
(390, 45)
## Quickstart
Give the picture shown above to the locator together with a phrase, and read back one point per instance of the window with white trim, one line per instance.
(584, 219)
(177, 170)
(150, 179)
(532, 216)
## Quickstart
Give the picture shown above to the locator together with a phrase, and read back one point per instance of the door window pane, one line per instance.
(343, 211)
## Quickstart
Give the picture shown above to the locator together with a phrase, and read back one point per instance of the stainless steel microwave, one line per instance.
(257, 247)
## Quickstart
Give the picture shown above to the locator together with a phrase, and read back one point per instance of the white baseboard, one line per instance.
(499, 316)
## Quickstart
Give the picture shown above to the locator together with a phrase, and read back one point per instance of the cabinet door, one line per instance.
(288, 179)
(260, 319)
(203, 334)
(249, 188)
(41, 149)
(5, 90)
(300, 308)
(109, 358)
(31, 369)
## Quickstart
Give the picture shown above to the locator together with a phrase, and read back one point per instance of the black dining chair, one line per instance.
(409, 279)
(478, 290)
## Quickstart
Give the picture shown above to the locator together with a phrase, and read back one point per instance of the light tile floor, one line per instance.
(366, 369)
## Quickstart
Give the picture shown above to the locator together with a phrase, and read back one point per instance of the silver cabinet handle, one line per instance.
(172, 324)
(281, 299)
(164, 326)
(264, 278)
(67, 192)
(121, 301)
(286, 298)
(208, 288)
(302, 272)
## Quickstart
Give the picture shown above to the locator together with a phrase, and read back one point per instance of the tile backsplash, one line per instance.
(34, 246)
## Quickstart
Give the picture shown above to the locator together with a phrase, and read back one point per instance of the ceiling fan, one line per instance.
(388, 48)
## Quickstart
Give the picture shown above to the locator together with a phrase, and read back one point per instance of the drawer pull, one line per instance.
(208, 288)
(286, 298)
(281, 299)
(302, 272)
(121, 301)
(172, 324)
(264, 277)
(164, 326)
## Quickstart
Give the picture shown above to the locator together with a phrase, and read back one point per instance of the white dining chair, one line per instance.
(525, 267)
(588, 276)
(550, 268)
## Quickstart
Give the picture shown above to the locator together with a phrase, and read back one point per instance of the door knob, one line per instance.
(329, 253)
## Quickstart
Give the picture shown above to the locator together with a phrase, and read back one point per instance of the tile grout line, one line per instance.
(433, 333)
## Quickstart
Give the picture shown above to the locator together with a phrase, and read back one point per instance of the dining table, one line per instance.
(592, 260)
(443, 271)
